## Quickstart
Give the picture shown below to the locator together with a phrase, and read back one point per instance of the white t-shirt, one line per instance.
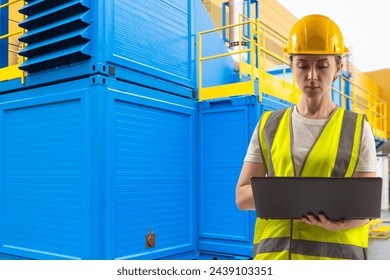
(305, 132)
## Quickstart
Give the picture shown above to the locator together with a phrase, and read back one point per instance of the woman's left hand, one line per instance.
(324, 222)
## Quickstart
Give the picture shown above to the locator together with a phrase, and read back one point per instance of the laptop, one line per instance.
(337, 198)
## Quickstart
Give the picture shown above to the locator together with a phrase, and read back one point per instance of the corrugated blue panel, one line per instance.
(42, 183)
(88, 167)
(224, 136)
(154, 36)
(226, 126)
(222, 158)
(153, 163)
(149, 43)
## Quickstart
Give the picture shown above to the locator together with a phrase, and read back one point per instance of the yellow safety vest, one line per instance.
(334, 154)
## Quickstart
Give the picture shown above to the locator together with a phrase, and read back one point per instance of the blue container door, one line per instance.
(225, 130)
(151, 152)
(226, 127)
(43, 173)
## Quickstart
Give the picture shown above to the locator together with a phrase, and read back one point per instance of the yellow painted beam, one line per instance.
(279, 88)
(273, 85)
(234, 89)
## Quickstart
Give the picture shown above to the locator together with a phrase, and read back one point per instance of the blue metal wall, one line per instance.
(226, 127)
(44, 178)
(149, 41)
(89, 166)
(153, 37)
(152, 174)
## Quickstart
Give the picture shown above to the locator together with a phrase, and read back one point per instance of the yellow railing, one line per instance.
(221, 90)
(373, 106)
(362, 100)
(359, 99)
(266, 82)
(11, 70)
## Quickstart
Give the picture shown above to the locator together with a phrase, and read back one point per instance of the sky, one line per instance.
(365, 26)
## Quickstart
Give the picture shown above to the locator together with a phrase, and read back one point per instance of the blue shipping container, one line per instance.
(151, 43)
(226, 127)
(89, 168)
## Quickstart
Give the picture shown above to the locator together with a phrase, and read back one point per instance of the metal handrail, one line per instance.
(223, 55)
(376, 110)
(201, 58)
(11, 34)
(254, 49)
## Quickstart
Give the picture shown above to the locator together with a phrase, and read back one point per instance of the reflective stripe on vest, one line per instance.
(335, 153)
(302, 249)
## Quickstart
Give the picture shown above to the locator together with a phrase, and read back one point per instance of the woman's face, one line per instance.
(315, 74)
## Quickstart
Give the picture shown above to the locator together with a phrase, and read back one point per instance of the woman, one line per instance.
(313, 138)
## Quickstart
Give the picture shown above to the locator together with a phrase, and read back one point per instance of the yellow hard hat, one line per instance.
(315, 34)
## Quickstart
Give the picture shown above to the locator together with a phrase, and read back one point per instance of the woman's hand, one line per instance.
(324, 222)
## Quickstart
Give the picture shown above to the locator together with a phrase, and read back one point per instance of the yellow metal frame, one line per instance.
(361, 99)
(12, 71)
(377, 229)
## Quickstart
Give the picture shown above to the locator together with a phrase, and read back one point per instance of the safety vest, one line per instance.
(334, 154)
